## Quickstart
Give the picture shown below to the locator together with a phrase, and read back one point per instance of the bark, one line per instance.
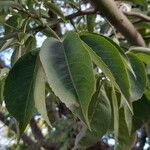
(109, 9)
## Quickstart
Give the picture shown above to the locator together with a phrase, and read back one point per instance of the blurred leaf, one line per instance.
(107, 57)
(7, 44)
(72, 4)
(144, 57)
(68, 68)
(2, 83)
(140, 2)
(18, 91)
(125, 140)
(138, 82)
(56, 10)
(142, 53)
(5, 5)
(11, 23)
(128, 118)
(30, 43)
(15, 55)
(139, 107)
(90, 22)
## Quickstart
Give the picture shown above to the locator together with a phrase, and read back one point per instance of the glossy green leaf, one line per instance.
(68, 68)
(107, 57)
(18, 91)
(138, 81)
(39, 92)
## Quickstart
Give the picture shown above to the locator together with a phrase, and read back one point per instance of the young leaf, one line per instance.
(138, 81)
(39, 92)
(107, 57)
(68, 68)
(18, 90)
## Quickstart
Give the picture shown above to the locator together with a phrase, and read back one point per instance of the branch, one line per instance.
(138, 15)
(68, 17)
(115, 16)
(39, 136)
(25, 138)
(81, 13)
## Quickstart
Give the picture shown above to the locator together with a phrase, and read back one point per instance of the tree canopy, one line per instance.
(89, 79)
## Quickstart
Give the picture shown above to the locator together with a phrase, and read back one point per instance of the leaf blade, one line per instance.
(110, 61)
(69, 58)
(39, 92)
(18, 91)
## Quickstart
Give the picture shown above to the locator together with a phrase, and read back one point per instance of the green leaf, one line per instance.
(107, 57)
(72, 4)
(140, 2)
(56, 10)
(18, 91)
(144, 57)
(139, 107)
(115, 106)
(128, 118)
(142, 53)
(7, 44)
(100, 109)
(30, 43)
(5, 5)
(68, 68)
(100, 119)
(125, 140)
(138, 80)
(15, 55)
(90, 22)
(39, 92)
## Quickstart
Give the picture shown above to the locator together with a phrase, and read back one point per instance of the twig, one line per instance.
(39, 136)
(138, 15)
(68, 17)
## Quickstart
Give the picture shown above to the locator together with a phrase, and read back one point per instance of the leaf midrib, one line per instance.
(71, 77)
